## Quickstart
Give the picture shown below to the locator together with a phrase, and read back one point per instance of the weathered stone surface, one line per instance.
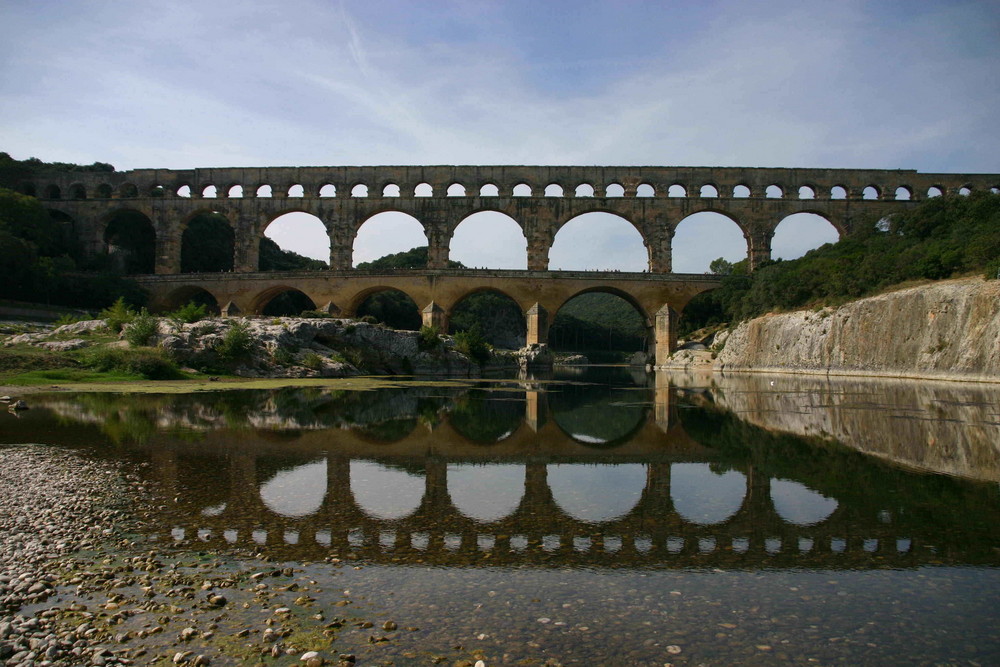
(536, 355)
(64, 345)
(86, 326)
(947, 330)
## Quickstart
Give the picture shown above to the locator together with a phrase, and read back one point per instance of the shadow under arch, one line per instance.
(130, 241)
(500, 318)
(208, 242)
(190, 294)
(601, 318)
(486, 238)
(273, 302)
(704, 235)
(389, 305)
(596, 240)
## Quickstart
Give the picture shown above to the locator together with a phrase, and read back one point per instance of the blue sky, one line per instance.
(305, 82)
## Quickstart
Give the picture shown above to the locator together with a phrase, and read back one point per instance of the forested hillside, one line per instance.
(941, 238)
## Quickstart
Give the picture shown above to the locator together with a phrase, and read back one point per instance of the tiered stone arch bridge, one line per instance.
(541, 200)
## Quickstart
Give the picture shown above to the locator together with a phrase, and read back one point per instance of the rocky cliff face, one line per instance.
(948, 330)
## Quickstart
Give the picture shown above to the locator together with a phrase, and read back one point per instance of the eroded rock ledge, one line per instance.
(947, 330)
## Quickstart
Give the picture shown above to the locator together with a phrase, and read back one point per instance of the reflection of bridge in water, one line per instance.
(429, 498)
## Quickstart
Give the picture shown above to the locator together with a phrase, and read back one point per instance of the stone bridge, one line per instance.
(540, 200)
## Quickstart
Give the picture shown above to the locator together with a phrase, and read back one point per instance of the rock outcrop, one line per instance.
(947, 330)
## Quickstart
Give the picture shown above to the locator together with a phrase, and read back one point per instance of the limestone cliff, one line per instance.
(948, 330)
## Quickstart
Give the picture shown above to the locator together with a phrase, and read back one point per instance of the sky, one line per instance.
(850, 84)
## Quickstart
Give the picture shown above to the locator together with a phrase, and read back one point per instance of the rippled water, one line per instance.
(596, 516)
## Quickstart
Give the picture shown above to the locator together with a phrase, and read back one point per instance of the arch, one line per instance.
(359, 190)
(799, 233)
(298, 491)
(390, 190)
(283, 301)
(598, 241)
(128, 191)
(704, 236)
(209, 192)
(521, 190)
(904, 193)
(965, 191)
(597, 494)
(235, 192)
(191, 294)
(328, 190)
(704, 496)
(264, 191)
(489, 239)
(741, 191)
(130, 241)
(385, 493)
(800, 505)
(774, 191)
(296, 190)
(838, 192)
(423, 190)
(614, 190)
(600, 320)
(584, 190)
(553, 190)
(386, 233)
(455, 190)
(52, 191)
(496, 315)
(207, 244)
(708, 191)
(807, 192)
(486, 493)
(184, 191)
(677, 190)
(157, 191)
(390, 306)
(77, 191)
(104, 191)
(645, 190)
(489, 190)
(935, 191)
(298, 240)
(871, 192)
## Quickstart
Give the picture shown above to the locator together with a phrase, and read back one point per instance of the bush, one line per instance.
(429, 338)
(147, 362)
(312, 361)
(283, 357)
(189, 313)
(237, 344)
(70, 318)
(472, 344)
(315, 314)
(117, 315)
(141, 329)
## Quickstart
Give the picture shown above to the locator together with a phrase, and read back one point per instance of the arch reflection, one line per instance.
(486, 493)
(383, 491)
(297, 492)
(596, 494)
(703, 496)
(797, 503)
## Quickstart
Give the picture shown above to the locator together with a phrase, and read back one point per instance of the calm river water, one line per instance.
(596, 516)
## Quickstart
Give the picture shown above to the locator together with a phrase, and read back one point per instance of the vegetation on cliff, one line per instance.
(941, 238)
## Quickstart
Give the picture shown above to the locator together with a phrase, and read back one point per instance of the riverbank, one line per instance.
(943, 331)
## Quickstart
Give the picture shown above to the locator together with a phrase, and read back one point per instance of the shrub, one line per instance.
(316, 314)
(472, 344)
(312, 361)
(189, 313)
(141, 329)
(70, 318)
(117, 315)
(237, 344)
(283, 357)
(149, 363)
(429, 338)
(369, 319)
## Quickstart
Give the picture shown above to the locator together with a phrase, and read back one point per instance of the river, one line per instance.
(592, 516)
